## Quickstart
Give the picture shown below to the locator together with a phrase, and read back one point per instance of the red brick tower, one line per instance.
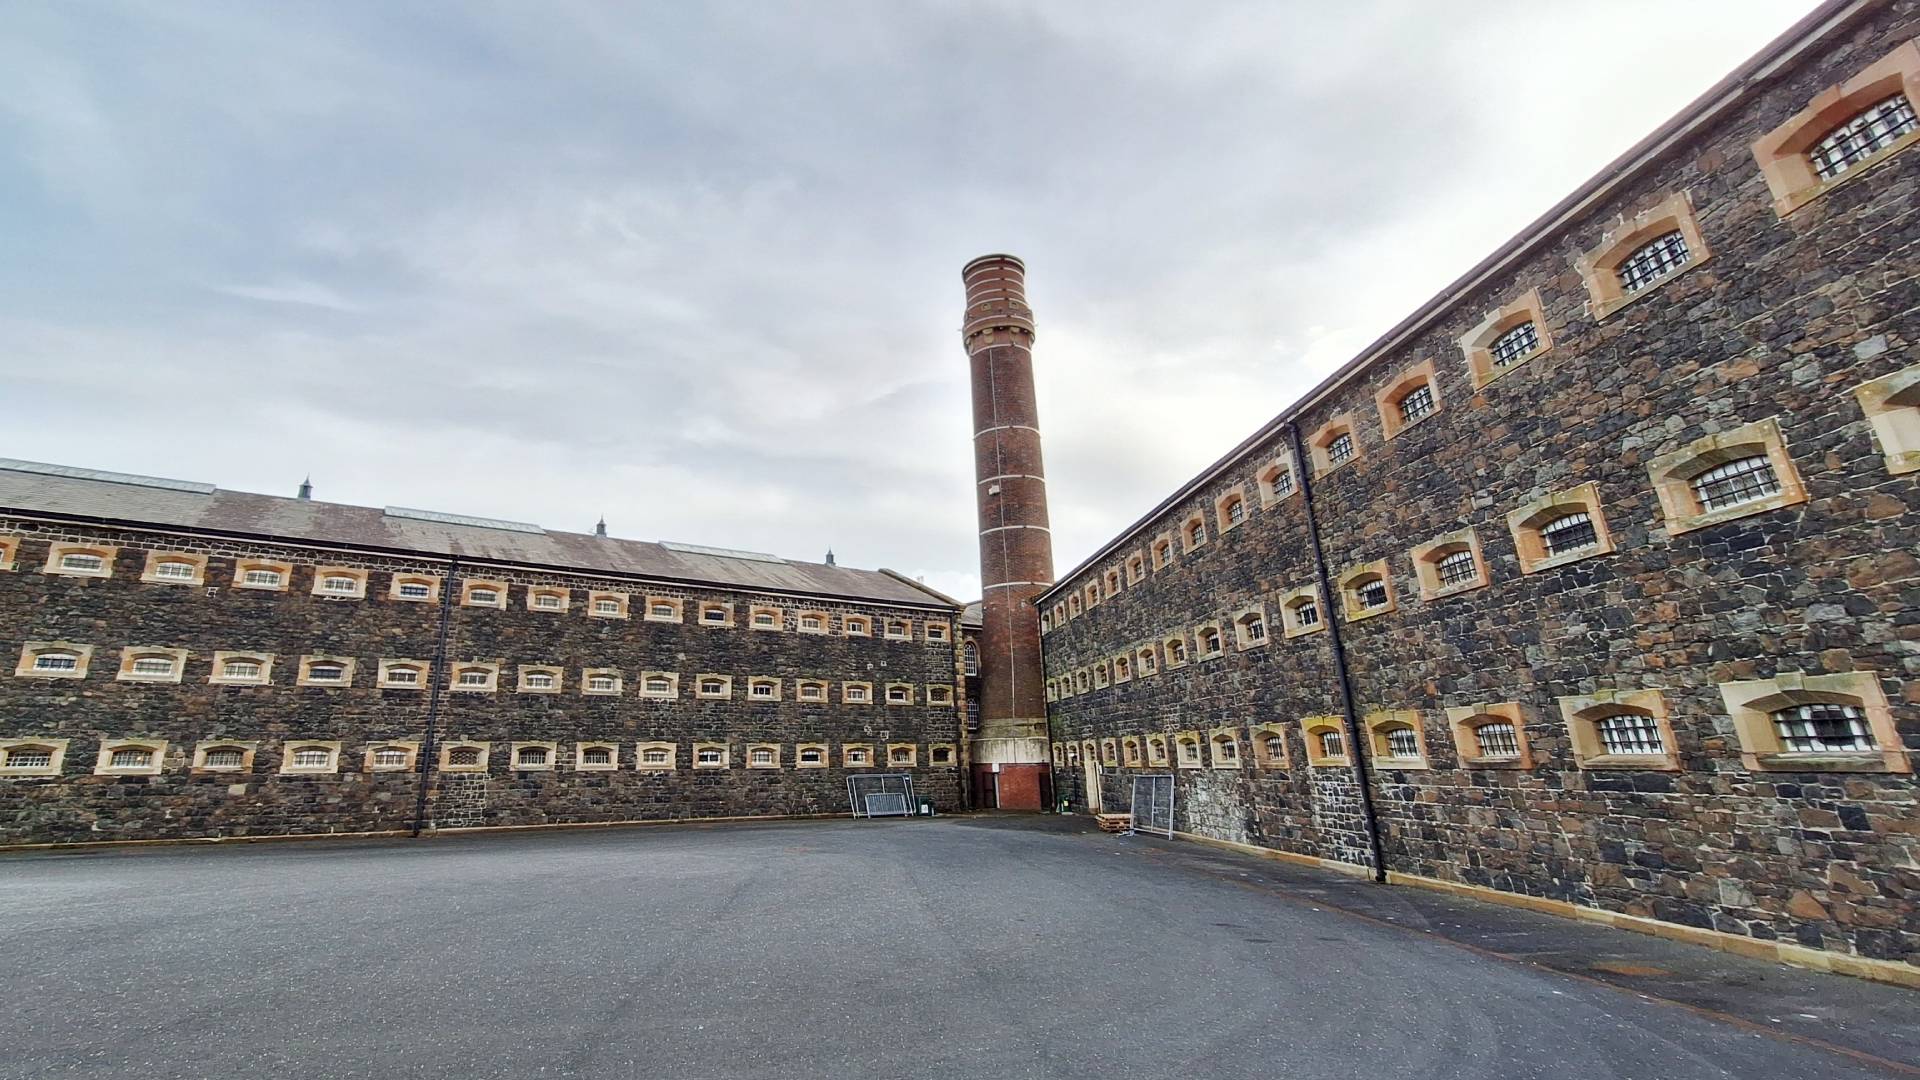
(1009, 753)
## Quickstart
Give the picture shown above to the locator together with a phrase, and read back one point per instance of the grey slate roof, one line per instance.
(971, 616)
(57, 491)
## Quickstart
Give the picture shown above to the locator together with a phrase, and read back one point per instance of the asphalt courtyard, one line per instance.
(956, 947)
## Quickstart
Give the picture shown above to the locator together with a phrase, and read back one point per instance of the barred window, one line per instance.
(763, 618)
(899, 694)
(1515, 345)
(811, 622)
(1226, 748)
(813, 692)
(267, 578)
(1177, 651)
(1275, 747)
(130, 757)
(539, 680)
(241, 669)
(326, 672)
(1189, 750)
(760, 755)
(654, 755)
(596, 755)
(464, 755)
(82, 561)
(1254, 627)
(856, 756)
(1457, 567)
(1823, 728)
(1570, 532)
(1306, 613)
(1283, 483)
(1631, 733)
(713, 614)
(1371, 593)
(712, 686)
(474, 677)
(602, 683)
(339, 583)
(1340, 450)
(940, 755)
(482, 596)
(604, 606)
(760, 690)
(397, 757)
(1417, 403)
(56, 661)
(856, 693)
(532, 756)
(1736, 482)
(1209, 642)
(153, 665)
(1332, 744)
(1497, 740)
(1402, 742)
(312, 757)
(415, 590)
(659, 684)
(973, 659)
(547, 601)
(1654, 261)
(902, 755)
(1236, 511)
(811, 756)
(29, 757)
(1863, 135)
(175, 569)
(408, 675)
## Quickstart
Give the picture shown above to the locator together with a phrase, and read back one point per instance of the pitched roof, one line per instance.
(65, 492)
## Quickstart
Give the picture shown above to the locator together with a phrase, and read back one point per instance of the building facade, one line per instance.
(188, 662)
(1594, 581)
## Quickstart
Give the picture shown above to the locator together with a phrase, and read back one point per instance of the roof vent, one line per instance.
(830, 557)
(461, 519)
(721, 553)
(104, 477)
(306, 488)
(600, 527)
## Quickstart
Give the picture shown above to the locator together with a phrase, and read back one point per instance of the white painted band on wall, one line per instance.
(1012, 584)
(1013, 476)
(1000, 528)
(1006, 427)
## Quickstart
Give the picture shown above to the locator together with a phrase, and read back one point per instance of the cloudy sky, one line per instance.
(696, 266)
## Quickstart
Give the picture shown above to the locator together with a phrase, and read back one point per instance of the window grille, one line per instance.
(856, 693)
(1196, 534)
(596, 755)
(326, 672)
(1283, 483)
(809, 622)
(483, 596)
(1306, 613)
(339, 584)
(712, 686)
(547, 601)
(662, 611)
(764, 690)
(812, 692)
(1654, 261)
(1497, 740)
(1862, 135)
(130, 757)
(1255, 628)
(178, 571)
(658, 685)
(939, 755)
(539, 680)
(762, 756)
(762, 618)
(312, 757)
(603, 683)
(1457, 567)
(29, 757)
(532, 756)
(241, 669)
(1631, 733)
(153, 665)
(1189, 750)
(82, 561)
(856, 757)
(464, 755)
(407, 675)
(1236, 512)
(939, 695)
(1372, 593)
(1177, 651)
(56, 661)
(901, 755)
(394, 757)
(1823, 728)
(1331, 744)
(1515, 345)
(1417, 403)
(1275, 747)
(810, 757)
(606, 607)
(261, 577)
(1570, 532)
(1340, 450)
(973, 659)
(713, 614)
(1403, 742)
(1736, 482)
(475, 677)
(1162, 553)
(1225, 748)
(415, 590)
(1209, 642)
(654, 755)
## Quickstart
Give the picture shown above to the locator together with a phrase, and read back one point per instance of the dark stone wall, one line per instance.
(121, 611)
(1784, 320)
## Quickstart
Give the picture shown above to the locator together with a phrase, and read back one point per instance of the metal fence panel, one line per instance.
(886, 795)
(1153, 805)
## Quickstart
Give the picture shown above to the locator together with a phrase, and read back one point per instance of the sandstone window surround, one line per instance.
(942, 754)
(856, 755)
(1397, 740)
(1193, 532)
(1208, 640)
(1130, 751)
(899, 693)
(1187, 752)
(414, 589)
(812, 622)
(1176, 648)
(174, 568)
(1145, 664)
(663, 609)
(1229, 510)
(1053, 690)
(711, 687)
(1815, 723)
(654, 756)
(1366, 590)
(1059, 756)
(464, 756)
(392, 756)
(1491, 735)
(32, 757)
(1059, 614)
(325, 671)
(482, 593)
(151, 664)
(1136, 569)
(1326, 741)
(1122, 669)
(763, 688)
(1892, 405)
(540, 679)
(1560, 528)
(596, 756)
(1111, 583)
(1157, 751)
(1093, 595)
(762, 617)
(605, 604)
(1223, 748)
(1100, 679)
(810, 756)
(715, 614)
(856, 626)
(1090, 750)
(938, 631)
(1276, 482)
(1450, 564)
(9, 552)
(810, 690)
(1046, 622)
(660, 685)
(1082, 681)
(80, 560)
(475, 677)
(856, 693)
(262, 574)
(1507, 339)
(1301, 611)
(1412, 396)
(1844, 132)
(402, 674)
(763, 755)
(1163, 551)
(550, 599)
(1333, 444)
(339, 583)
(1640, 255)
(223, 756)
(310, 757)
(1250, 628)
(902, 755)
(899, 630)
(1073, 753)
(1727, 475)
(534, 756)
(1073, 605)
(53, 660)
(601, 682)
(1621, 729)
(131, 757)
(939, 694)
(241, 669)
(1269, 743)
(1110, 753)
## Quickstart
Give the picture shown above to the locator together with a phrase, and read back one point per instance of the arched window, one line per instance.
(403, 675)
(1457, 567)
(1371, 592)
(399, 757)
(56, 660)
(1274, 745)
(858, 756)
(241, 668)
(1209, 639)
(463, 756)
(973, 659)
(1823, 728)
(656, 755)
(596, 756)
(1195, 533)
(1251, 628)
(659, 684)
(899, 695)
(1569, 532)
(812, 755)
(28, 756)
(1629, 732)
(710, 755)
(1122, 670)
(1226, 749)
(154, 666)
(1340, 448)
(604, 606)
(1177, 651)
(547, 601)
(1516, 344)
(603, 684)
(482, 596)
(856, 693)
(339, 585)
(477, 678)
(311, 757)
(131, 757)
(1862, 135)
(940, 755)
(1417, 403)
(413, 590)
(760, 755)
(175, 570)
(532, 757)
(326, 671)
(1653, 261)
(82, 562)
(1332, 744)
(541, 680)
(901, 755)
(762, 689)
(1147, 663)
(1401, 742)
(262, 579)
(1497, 739)
(1189, 751)
(1742, 480)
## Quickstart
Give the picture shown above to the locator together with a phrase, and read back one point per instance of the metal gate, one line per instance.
(889, 795)
(1153, 805)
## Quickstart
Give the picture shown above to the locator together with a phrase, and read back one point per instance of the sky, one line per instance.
(696, 267)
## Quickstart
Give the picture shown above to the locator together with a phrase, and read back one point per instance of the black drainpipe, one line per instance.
(1354, 742)
(429, 753)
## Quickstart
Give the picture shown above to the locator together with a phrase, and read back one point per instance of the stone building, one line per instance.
(1594, 580)
(192, 662)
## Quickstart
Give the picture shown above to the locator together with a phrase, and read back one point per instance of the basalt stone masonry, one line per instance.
(1617, 536)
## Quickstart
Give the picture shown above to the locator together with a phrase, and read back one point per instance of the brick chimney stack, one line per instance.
(1009, 754)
